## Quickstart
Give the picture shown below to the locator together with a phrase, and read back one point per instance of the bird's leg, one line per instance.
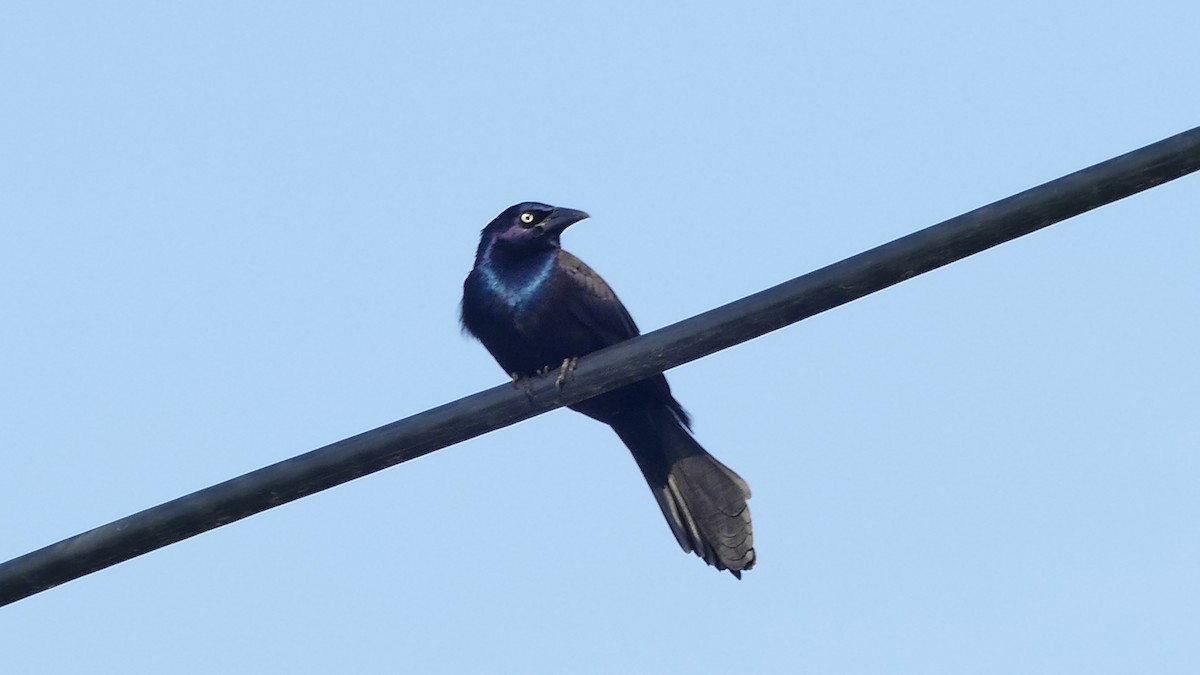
(522, 382)
(567, 367)
(564, 372)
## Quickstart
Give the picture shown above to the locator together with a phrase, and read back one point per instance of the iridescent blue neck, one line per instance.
(515, 279)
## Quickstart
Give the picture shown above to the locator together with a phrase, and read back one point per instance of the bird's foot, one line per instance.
(522, 382)
(567, 367)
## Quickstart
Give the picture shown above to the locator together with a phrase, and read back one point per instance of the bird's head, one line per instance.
(531, 226)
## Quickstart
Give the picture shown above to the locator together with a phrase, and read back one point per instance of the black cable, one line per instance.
(616, 366)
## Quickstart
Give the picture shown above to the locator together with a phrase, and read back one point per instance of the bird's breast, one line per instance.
(517, 289)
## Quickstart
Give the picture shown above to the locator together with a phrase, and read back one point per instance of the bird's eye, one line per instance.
(527, 217)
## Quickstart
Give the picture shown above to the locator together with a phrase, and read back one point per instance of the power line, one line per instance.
(614, 367)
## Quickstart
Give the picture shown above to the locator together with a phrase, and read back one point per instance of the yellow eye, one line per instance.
(527, 217)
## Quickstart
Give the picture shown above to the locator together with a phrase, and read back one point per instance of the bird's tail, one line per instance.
(703, 500)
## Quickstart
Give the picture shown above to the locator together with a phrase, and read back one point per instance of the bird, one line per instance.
(536, 307)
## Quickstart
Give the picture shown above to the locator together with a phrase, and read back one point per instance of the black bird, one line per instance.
(534, 306)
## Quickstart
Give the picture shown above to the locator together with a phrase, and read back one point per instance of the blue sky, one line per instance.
(234, 233)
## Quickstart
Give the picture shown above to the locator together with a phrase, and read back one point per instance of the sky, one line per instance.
(234, 232)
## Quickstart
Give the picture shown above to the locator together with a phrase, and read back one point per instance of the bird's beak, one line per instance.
(560, 219)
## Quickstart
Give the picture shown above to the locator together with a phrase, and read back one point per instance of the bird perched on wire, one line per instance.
(536, 307)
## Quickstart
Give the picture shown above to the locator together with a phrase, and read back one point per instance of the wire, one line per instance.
(602, 371)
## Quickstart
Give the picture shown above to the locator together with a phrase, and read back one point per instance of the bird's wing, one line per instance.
(605, 321)
(594, 304)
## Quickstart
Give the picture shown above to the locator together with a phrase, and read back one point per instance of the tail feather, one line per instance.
(703, 500)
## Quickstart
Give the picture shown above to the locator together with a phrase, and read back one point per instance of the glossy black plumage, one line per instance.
(533, 305)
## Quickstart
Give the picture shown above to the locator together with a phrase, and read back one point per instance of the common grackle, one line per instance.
(535, 306)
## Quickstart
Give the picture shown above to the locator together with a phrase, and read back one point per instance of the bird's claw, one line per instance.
(567, 367)
(522, 382)
(564, 373)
